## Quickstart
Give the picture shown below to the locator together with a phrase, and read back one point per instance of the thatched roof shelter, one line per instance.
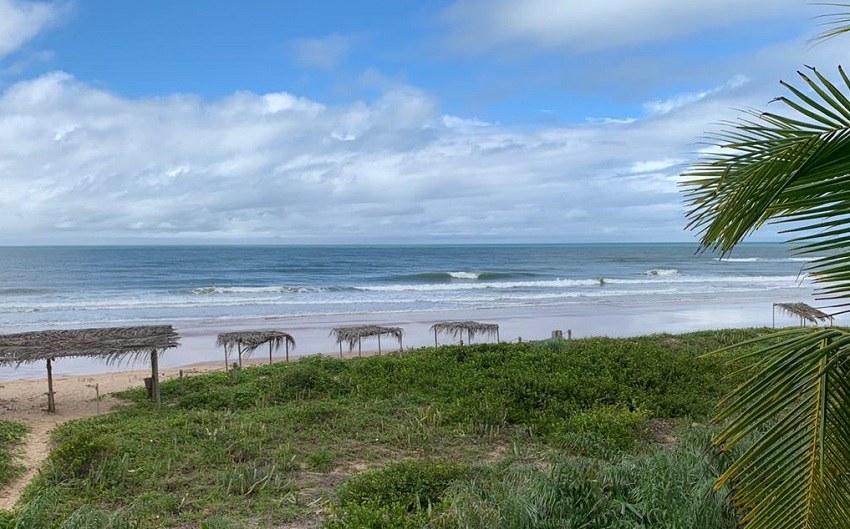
(355, 334)
(112, 344)
(457, 329)
(805, 312)
(246, 342)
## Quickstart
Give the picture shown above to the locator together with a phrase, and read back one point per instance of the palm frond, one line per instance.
(795, 473)
(836, 23)
(792, 168)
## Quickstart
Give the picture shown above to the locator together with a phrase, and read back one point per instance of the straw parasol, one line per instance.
(355, 334)
(246, 342)
(457, 329)
(805, 312)
(112, 344)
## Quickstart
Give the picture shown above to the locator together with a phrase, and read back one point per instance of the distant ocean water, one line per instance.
(42, 287)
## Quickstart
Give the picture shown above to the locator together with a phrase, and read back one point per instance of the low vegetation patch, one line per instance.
(11, 436)
(268, 446)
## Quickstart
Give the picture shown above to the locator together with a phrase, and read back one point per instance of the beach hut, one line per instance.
(805, 312)
(112, 344)
(457, 329)
(354, 335)
(246, 342)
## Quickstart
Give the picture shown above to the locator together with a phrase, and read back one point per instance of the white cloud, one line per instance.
(322, 52)
(20, 21)
(663, 106)
(478, 25)
(653, 166)
(79, 164)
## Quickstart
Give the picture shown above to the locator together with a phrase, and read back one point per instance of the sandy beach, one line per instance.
(312, 332)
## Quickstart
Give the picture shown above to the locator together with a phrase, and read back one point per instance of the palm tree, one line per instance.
(793, 413)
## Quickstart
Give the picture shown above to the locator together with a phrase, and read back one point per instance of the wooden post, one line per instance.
(270, 353)
(774, 315)
(435, 337)
(340, 349)
(359, 348)
(287, 349)
(379, 345)
(497, 336)
(469, 336)
(569, 334)
(240, 354)
(51, 403)
(400, 345)
(226, 364)
(155, 377)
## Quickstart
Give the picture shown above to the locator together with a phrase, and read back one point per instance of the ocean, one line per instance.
(67, 287)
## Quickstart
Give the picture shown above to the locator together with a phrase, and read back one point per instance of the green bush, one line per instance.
(80, 453)
(664, 489)
(322, 460)
(613, 428)
(11, 435)
(400, 495)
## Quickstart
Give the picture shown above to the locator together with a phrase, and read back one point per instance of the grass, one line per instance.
(11, 436)
(267, 446)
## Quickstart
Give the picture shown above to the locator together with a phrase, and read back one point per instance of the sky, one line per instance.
(327, 122)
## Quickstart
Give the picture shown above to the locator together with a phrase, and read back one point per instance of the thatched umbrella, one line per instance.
(805, 312)
(456, 329)
(113, 344)
(354, 335)
(246, 342)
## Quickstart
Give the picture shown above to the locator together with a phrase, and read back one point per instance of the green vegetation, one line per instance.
(11, 435)
(436, 436)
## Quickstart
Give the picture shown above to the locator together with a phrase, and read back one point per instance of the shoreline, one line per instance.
(312, 332)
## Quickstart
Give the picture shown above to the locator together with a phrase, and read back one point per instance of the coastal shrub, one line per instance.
(612, 428)
(11, 435)
(400, 495)
(308, 380)
(81, 452)
(664, 489)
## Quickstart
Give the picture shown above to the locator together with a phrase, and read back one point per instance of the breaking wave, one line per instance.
(766, 259)
(444, 277)
(662, 272)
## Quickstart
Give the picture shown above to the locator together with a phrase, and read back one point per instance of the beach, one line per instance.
(312, 332)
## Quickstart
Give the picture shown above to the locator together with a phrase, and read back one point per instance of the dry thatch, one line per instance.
(354, 335)
(112, 344)
(457, 329)
(249, 341)
(246, 342)
(804, 312)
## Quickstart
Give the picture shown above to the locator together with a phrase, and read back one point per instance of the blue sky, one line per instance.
(321, 121)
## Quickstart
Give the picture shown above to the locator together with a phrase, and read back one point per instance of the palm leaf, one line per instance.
(790, 167)
(795, 474)
(836, 23)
